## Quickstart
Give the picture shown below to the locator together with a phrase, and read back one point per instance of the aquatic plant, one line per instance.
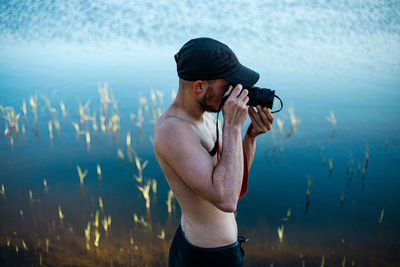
(162, 235)
(169, 201)
(81, 175)
(96, 220)
(101, 203)
(332, 119)
(293, 119)
(323, 261)
(78, 131)
(120, 154)
(140, 167)
(154, 186)
(128, 139)
(102, 123)
(3, 191)
(146, 193)
(381, 217)
(386, 142)
(87, 134)
(280, 125)
(87, 235)
(280, 233)
(62, 107)
(12, 118)
(330, 162)
(98, 168)
(50, 126)
(60, 213)
(96, 237)
(45, 185)
(83, 110)
(34, 103)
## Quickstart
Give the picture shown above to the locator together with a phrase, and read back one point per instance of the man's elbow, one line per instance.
(228, 206)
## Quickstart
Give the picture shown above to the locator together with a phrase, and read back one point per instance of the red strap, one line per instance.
(245, 166)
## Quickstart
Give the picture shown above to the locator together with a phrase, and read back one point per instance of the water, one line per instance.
(321, 56)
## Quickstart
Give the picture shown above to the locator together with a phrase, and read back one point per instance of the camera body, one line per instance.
(261, 96)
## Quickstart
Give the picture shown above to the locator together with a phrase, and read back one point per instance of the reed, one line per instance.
(120, 154)
(50, 126)
(128, 139)
(3, 191)
(30, 196)
(62, 107)
(47, 243)
(77, 129)
(45, 185)
(162, 235)
(34, 103)
(12, 118)
(169, 201)
(280, 125)
(294, 120)
(96, 220)
(24, 245)
(87, 134)
(60, 213)
(80, 174)
(332, 119)
(381, 217)
(386, 142)
(87, 235)
(154, 186)
(140, 167)
(101, 203)
(323, 261)
(102, 123)
(83, 110)
(24, 110)
(98, 168)
(96, 237)
(280, 233)
(344, 261)
(146, 193)
(56, 124)
(330, 162)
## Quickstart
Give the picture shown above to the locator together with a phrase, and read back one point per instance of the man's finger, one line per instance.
(269, 114)
(236, 91)
(255, 118)
(262, 114)
(229, 90)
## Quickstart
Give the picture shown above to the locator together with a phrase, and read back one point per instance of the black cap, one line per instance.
(208, 59)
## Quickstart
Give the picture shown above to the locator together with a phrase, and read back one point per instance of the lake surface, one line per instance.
(331, 189)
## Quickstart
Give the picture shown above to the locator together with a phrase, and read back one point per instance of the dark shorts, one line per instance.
(183, 253)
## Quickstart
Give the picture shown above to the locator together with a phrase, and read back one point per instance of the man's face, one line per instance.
(214, 94)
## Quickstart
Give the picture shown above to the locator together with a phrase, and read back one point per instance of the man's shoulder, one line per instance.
(169, 130)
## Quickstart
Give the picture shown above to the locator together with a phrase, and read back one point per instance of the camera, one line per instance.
(259, 96)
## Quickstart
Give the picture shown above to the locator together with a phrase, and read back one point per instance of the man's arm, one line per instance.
(178, 144)
(261, 122)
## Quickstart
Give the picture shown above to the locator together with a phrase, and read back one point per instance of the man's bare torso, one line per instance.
(203, 224)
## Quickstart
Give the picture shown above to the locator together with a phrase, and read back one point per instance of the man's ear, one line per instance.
(199, 87)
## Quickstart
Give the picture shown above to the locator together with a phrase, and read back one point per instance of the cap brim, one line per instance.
(244, 76)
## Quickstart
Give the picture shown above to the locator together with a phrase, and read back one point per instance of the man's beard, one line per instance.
(203, 102)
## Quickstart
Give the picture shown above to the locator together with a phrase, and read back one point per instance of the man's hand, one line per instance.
(235, 107)
(261, 121)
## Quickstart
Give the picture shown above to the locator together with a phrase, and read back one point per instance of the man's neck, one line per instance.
(189, 105)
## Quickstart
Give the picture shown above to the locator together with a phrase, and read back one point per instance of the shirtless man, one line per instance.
(207, 185)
